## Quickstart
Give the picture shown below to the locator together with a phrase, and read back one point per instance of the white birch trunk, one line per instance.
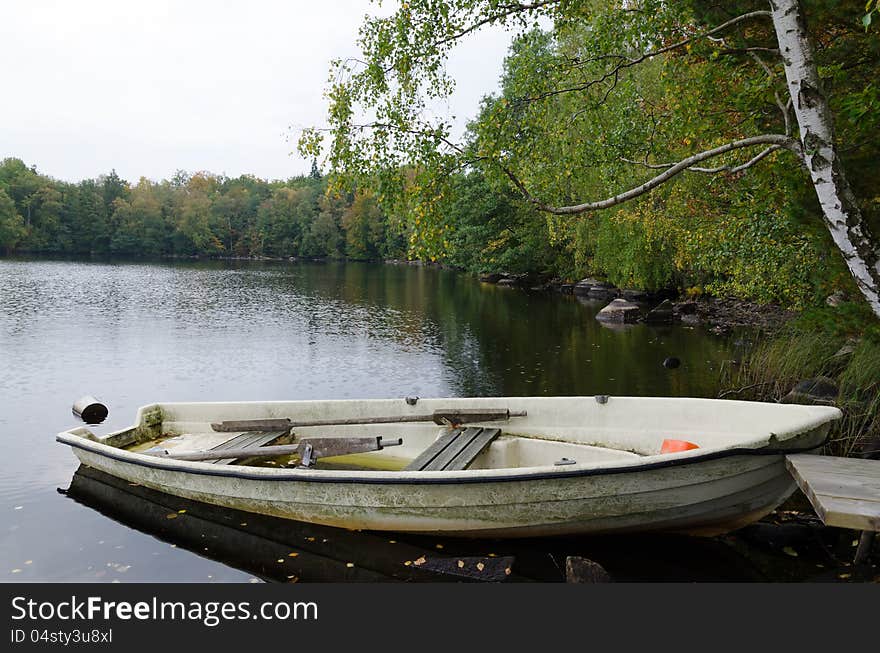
(841, 213)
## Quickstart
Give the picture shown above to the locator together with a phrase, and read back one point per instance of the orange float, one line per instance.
(674, 446)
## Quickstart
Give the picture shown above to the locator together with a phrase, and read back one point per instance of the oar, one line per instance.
(449, 416)
(314, 447)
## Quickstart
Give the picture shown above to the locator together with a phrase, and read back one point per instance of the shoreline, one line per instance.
(719, 314)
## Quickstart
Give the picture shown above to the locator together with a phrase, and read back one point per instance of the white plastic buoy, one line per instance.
(90, 410)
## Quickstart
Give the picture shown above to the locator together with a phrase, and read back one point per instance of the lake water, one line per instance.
(136, 333)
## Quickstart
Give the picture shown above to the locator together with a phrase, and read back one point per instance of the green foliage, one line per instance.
(11, 225)
(574, 121)
(634, 253)
(191, 215)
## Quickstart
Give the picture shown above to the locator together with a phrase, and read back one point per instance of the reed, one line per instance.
(771, 368)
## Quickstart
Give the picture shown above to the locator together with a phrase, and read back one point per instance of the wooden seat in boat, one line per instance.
(249, 440)
(454, 450)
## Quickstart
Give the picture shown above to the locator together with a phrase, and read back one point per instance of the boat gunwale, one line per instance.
(692, 457)
(815, 417)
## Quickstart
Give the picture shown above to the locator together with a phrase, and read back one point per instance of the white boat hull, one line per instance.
(705, 491)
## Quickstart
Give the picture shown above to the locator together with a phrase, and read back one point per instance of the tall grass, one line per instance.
(772, 367)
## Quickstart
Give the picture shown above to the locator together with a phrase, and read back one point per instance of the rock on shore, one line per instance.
(620, 310)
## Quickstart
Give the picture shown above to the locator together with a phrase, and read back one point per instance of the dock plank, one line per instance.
(845, 492)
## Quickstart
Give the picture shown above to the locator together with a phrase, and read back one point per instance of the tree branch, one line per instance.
(629, 62)
(507, 10)
(712, 171)
(778, 140)
(731, 51)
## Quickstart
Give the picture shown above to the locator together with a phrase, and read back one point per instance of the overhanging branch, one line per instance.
(730, 169)
(775, 140)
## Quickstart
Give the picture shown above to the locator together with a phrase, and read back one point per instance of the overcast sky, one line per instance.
(152, 86)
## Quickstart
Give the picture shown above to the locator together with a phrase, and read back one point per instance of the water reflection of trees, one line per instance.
(502, 341)
(491, 340)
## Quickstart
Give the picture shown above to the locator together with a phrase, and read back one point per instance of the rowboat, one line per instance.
(476, 467)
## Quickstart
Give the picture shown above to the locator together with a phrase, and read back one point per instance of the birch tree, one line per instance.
(405, 146)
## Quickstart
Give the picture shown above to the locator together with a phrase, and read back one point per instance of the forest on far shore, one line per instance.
(198, 214)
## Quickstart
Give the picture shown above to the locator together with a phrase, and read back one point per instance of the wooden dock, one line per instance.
(845, 492)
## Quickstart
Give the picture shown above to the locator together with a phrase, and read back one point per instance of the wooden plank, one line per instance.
(256, 438)
(833, 465)
(446, 456)
(864, 489)
(849, 513)
(252, 425)
(866, 541)
(428, 455)
(845, 492)
(474, 449)
(246, 440)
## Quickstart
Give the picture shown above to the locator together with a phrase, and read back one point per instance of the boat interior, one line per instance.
(453, 434)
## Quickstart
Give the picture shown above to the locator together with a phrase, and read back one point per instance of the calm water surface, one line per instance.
(133, 334)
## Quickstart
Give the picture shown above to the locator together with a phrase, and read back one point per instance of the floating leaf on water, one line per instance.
(172, 515)
(480, 566)
(789, 551)
(420, 561)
